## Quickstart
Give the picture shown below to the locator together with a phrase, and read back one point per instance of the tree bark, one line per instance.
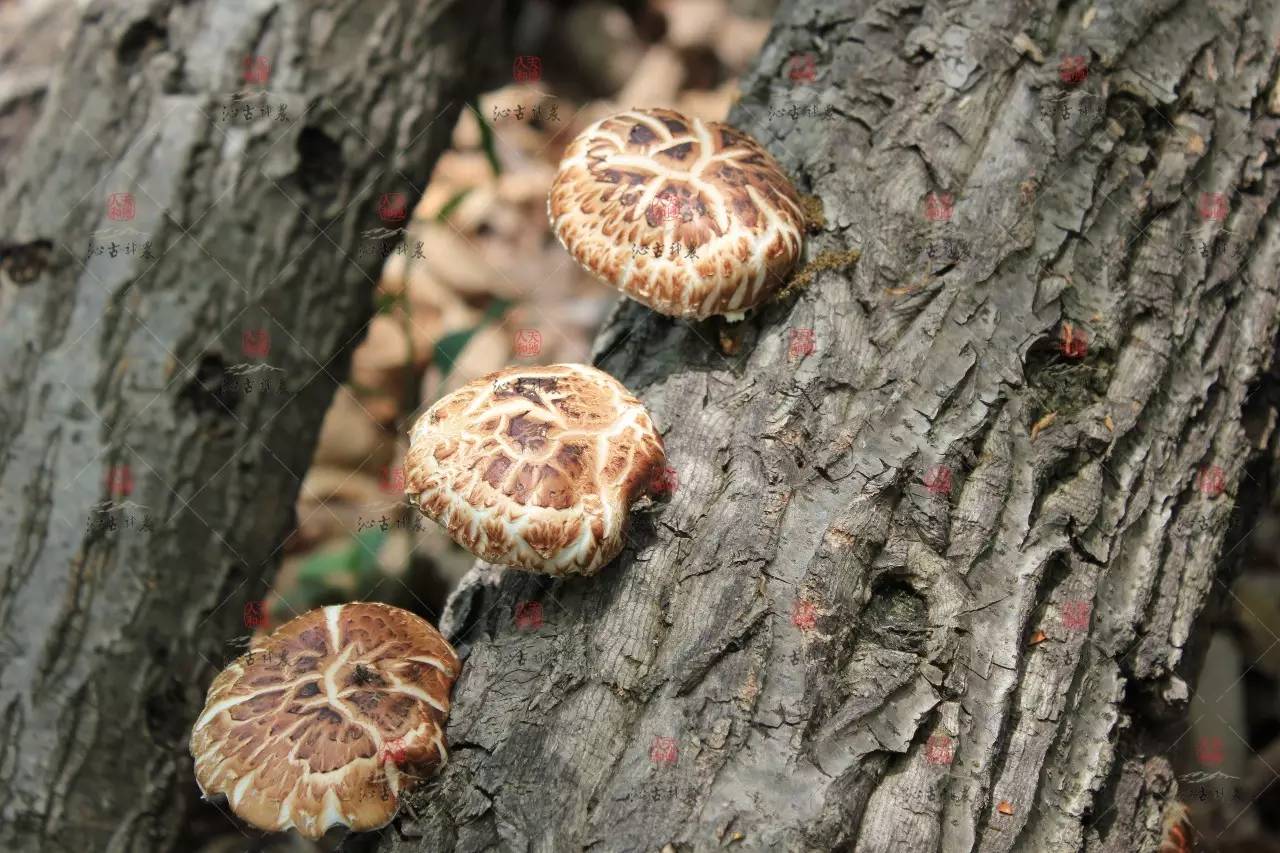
(128, 364)
(31, 39)
(818, 601)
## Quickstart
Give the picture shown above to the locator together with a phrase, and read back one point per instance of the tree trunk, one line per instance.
(123, 370)
(933, 585)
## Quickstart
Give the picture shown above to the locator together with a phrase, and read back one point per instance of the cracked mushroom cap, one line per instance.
(725, 216)
(535, 467)
(327, 720)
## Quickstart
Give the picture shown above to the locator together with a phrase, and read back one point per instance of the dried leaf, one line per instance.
(693, 23)
(739, 39)
(386, 347)
(1037, 638)
(657, 78)
(1109, 424)
(350, 439)
(709, 104)
(1043, 424)
(1023, 44)
(1005, 807)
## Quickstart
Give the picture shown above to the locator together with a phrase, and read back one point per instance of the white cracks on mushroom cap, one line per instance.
(237, 793)
(332, 813)
(423, 695)
(394, 776)
(331, 614)
(289, 818)
(544, 465)
(374, 675)
(438, 664)
(741, 200)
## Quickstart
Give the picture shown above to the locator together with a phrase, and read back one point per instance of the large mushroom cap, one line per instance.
(327, 720)
(535, 467)
(654, 178)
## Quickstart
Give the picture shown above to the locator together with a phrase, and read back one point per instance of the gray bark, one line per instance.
(108, 638)
(31, 39)
(801, 480)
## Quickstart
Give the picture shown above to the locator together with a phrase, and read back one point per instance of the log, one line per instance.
(946, 517)
(168, 357)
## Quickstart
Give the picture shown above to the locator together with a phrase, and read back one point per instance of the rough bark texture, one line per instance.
(806, 613)
(32, 37)
(109, 637)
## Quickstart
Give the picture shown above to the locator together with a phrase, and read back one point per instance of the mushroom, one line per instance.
(535, 467)
(327, 720)
(724, 219)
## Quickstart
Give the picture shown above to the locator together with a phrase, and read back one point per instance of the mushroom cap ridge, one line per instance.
(535, 467)
(647, 177)
(327, 720)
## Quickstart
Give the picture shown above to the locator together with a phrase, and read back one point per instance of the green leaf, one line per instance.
(451, 205)
(354, 560)
(368, 543)
(449, 347)
(496, 309)
(320, 567)
(487, 142)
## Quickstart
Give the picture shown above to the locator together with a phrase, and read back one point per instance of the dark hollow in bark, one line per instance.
(113, 619)
(934, 585)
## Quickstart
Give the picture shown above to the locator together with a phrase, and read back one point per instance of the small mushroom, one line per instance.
(535, 467)
(709, 201)
(327, 720)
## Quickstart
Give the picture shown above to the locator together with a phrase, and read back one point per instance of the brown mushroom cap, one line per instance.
(327, 720)
(535, 467)
(647, 177)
